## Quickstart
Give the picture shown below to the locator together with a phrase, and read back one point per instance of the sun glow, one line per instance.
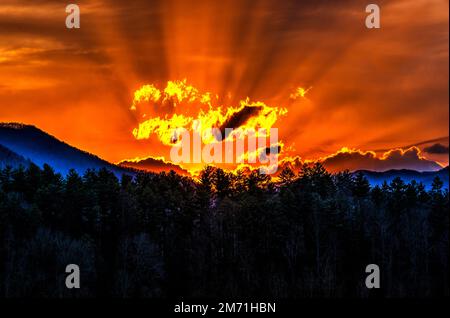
(200, 117)
(180, 107)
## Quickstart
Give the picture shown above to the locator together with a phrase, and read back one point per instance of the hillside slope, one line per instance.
(32, 144)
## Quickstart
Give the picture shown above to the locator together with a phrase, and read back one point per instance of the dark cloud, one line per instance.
(153, 165)
(273, 149)
(393, 159)
(238, 119)
(420, 143)
(436, 149)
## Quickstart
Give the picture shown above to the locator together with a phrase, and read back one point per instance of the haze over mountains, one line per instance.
(22, 144)
(426, 177)
(10, 158)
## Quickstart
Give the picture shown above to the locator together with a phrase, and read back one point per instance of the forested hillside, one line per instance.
(164, 235)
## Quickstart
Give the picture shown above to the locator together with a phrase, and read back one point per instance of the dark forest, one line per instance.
(310, 234)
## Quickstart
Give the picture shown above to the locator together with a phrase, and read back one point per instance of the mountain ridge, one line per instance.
(407, 175)
(153, 165)
(11, 159)
(39, 147)
(22, 144)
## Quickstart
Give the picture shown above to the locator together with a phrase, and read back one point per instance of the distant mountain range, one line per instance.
(24, 144)
(426, 177)
(154, 165)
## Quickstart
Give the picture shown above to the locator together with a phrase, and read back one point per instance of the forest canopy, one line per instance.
(162, 235)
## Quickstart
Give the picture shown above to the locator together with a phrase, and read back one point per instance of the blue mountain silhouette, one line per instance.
(426, 177)
(22, 144)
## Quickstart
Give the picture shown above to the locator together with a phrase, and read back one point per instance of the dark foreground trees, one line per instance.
(163, 235)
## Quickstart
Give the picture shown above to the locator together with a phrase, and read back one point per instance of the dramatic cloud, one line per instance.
(436, 149)
(368, 160)
(153, 165)
(194, 111)
(239, 118)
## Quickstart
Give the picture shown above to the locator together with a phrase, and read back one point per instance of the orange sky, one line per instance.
(371, 90)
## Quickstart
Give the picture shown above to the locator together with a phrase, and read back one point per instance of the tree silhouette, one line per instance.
(222, 234)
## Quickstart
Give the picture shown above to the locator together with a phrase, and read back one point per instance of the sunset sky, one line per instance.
(372, 91)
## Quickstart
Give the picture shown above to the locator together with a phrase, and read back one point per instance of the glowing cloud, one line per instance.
(355, 159)
(204, 117)
(181, 107)
(300, 92)
(145, 93)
